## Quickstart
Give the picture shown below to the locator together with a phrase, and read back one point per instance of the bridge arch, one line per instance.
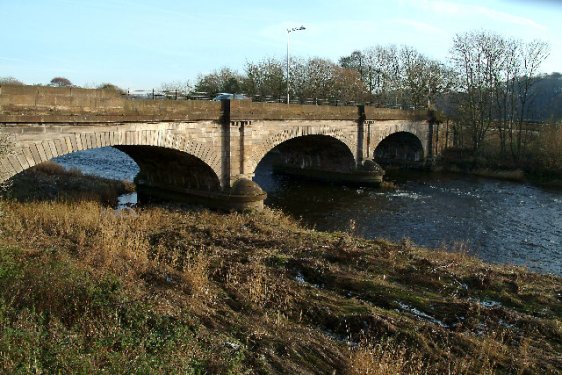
(171, 169)
(401, 147)
(311, 152)
(325, 134)
(29, 154)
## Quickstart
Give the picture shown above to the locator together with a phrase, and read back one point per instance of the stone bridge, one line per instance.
(209, 150)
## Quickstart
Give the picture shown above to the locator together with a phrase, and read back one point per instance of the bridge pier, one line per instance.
(244, 195)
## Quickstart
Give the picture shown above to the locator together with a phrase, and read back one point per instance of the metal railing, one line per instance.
(154, 94)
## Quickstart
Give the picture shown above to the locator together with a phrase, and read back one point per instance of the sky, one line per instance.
(140, 44)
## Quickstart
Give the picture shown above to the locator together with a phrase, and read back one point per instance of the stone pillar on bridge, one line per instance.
(368, 171)
(240, 191)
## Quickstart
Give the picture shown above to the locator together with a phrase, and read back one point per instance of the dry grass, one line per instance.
(49, 181)
(86, 289)
(549, 147)
(385, 359)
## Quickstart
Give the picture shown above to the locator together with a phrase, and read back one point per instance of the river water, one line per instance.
(500, 221)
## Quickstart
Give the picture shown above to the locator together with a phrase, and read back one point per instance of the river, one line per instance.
(499, 221)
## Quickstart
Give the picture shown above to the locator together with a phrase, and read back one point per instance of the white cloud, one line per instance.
(466, 10)
(506, 17)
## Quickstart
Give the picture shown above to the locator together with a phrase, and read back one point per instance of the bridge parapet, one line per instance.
(247, 110)
(69, 104)
(40, 104)
(381, 114)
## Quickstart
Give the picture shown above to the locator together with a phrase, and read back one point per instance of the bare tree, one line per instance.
(477, 58)
(415, 74)
(357, 61)
(532, 56)
(321, 79)
(348, 85)
(399, 77)
(496, 75)
(378, 69)
(506, 87)
(265, 79)
(299, 77)
(223, 80)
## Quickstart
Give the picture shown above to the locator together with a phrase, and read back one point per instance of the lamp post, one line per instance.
(289, 31)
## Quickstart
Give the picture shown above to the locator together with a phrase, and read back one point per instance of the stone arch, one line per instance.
(29, 154)
(169, 168)
(283, 136)
(384, 129)
(401, 146)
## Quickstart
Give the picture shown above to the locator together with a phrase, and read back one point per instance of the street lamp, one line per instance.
(289, 31)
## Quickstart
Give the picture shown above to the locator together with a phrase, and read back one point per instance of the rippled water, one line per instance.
(501, 221)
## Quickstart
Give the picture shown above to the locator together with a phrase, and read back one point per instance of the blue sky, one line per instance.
(141, 44)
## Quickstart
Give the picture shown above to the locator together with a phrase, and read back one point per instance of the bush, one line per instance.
(10, 81)
(61, 82)
(111, 87)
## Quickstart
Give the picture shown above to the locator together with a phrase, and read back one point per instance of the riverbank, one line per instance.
(51, 182)
(87, 288)
(491, 166)
(539, 178)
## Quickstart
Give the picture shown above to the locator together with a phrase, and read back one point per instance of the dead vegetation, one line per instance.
(49, 181)
(86, 288)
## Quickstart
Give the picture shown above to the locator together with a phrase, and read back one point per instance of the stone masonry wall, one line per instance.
(46, 122)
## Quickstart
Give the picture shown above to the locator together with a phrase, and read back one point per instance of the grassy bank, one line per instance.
(86, 288)
(51, 182)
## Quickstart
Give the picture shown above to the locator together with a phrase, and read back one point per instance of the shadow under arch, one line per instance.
(310, 156)
(168, 168)
(399, 149)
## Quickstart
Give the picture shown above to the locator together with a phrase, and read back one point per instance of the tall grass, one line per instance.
(549, 147)
(49, 181)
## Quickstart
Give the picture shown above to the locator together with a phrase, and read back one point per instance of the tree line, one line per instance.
(489, 84)
(385, 76)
